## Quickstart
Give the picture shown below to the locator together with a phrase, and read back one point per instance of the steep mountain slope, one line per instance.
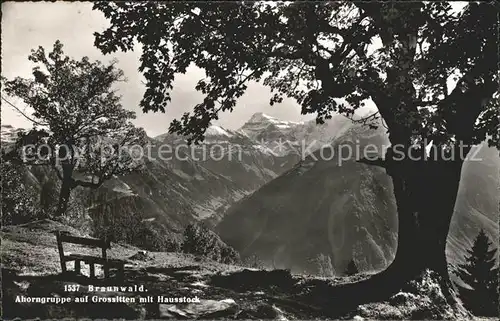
(177, 191)
(320, 207)
(238, 160)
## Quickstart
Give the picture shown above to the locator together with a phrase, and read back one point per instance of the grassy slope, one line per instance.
(31, 251)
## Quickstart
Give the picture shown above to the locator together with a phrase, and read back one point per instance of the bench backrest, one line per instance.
(65, 238)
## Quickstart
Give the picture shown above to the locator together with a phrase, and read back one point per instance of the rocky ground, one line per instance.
(31, 268)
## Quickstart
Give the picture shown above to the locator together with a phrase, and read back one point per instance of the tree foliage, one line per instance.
(48, 194)
(80, 128)
(480, 272)
(254, 262)
(324, 55)
(122, 220)
(19, 200)
(199, 240)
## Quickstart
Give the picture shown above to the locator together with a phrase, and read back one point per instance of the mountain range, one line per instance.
(192, 183)
(271, 189)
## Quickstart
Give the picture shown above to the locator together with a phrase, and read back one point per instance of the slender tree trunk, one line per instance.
(64, 196)
(65, 191)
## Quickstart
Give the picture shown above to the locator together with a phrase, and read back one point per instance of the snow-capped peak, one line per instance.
(217, 131)
(260, 123)
(260, 117)
(264, 118)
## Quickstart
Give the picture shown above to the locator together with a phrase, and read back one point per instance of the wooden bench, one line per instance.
(89, 259)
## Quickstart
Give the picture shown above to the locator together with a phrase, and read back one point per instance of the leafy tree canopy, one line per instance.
(78, 118)
(328, 56)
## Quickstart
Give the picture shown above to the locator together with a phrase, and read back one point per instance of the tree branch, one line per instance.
(373, 162)
(364, 120)
(22, 113)
(88, 184)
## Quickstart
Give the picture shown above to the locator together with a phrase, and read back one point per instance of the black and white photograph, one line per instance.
(250, 160)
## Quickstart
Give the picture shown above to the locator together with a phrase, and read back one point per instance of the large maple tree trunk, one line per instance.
(425, 193)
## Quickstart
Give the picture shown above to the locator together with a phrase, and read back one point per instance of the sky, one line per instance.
(27, 25)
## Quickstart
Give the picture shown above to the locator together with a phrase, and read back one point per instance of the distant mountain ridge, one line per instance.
(268, 196)
(195, 183)
(285, 137)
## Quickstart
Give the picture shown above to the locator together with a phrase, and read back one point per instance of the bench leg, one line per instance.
(106, 270)
(121, 272)
(92, 270)
(77, 266)
(63, 267)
